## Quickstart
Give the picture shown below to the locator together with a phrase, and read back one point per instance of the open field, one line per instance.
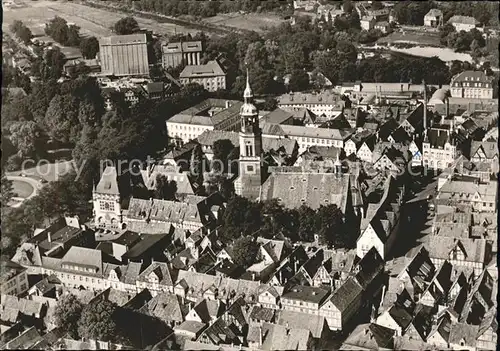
(21, 189)
(48, 171)
(92, 21)
(250, 21)
(411, 37)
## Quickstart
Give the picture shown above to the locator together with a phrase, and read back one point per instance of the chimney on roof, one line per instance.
(49, 237)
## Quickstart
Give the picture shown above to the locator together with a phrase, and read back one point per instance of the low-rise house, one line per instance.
(305, 299)
(367, 23)
(488, 330)
(14, 278)
(382, 26)
(463, 336)
(399, 316)
(433, 18)
(156, 278)
(276, 337)
(369, 337)
(380, 225)
(480, 196)
(465, 23)
(343, 304)
(467, 253)
(155, 216)
(485, 151)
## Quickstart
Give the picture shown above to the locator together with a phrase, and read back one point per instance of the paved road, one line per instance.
(37, 185)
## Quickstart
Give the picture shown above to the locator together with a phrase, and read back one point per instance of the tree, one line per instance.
(242, 217)
(197, 165)
(97, 321)
(67, 314)
(269, 104)
(331, 231)
(89, 47)
(73, 36)
(222, 148)
(307, 223)
(7, 190)
(299, 81)
(57, 28)
(165, 189)
(61, 119)
(27, 138)
(126, 25)
(245, 250)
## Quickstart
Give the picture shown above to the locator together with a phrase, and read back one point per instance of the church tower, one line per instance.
(250, 172)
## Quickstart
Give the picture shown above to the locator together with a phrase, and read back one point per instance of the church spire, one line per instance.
(247, 94)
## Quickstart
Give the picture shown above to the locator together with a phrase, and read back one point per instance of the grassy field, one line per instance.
(411, 37)
(22, 189)
(49, 172)
(250, 21)
(92, 21)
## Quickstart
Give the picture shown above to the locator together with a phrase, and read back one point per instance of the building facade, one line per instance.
(14, 278)
(124, 55)
(211, 76)
(472, 84)
(174, 54)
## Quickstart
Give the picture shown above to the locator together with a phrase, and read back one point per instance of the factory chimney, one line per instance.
(425, 106)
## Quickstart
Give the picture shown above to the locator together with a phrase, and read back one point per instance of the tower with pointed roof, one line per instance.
(106, 198)
(250, 170)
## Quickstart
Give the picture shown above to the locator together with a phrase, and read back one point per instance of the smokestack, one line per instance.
(425, 106)
(448, 107)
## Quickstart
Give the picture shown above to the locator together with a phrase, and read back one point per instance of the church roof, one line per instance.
(108, 183)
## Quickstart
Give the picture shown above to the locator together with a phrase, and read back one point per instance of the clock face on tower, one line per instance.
(106, 206)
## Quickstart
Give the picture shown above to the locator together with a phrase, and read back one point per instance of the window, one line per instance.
(250, 168)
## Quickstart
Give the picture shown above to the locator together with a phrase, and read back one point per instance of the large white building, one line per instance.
(307, 136)
(211, 76)
(472, 84)
(319, 104)
(210, 114)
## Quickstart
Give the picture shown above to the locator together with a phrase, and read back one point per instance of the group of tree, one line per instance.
(94, 321)
(48, 66)
(244, 218)
(59, 30)
(463, 41)
(21, 31)
(207, 8)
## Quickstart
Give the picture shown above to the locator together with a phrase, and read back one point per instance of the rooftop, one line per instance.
(210, 69)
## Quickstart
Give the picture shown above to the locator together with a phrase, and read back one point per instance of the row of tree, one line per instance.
(268, 218)
(207, 8)
(21, 31)
(462, 41)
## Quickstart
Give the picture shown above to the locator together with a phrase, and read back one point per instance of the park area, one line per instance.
(21, 189)
(258, 22)
(92, 21)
